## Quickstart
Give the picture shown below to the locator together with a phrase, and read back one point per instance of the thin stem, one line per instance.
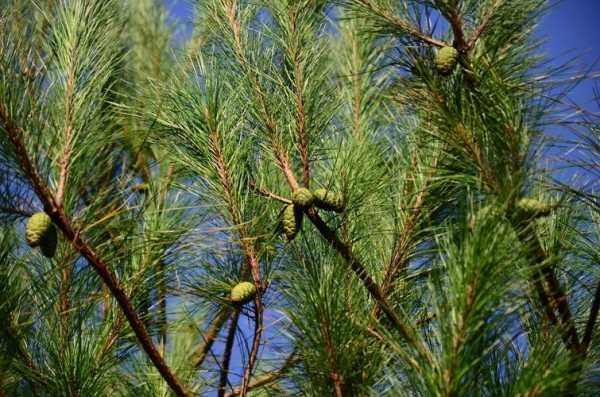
(560, 301)
(224, 377)
(268, 378)
(258, 328)
(210, 336)
(268, 194)
(68, 136)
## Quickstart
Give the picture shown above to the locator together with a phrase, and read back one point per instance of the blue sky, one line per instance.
(571, 28)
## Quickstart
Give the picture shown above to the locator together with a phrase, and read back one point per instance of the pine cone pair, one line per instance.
(304, 198)
(321, 198)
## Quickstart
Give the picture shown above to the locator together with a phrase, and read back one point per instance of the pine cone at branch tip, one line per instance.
(243, 292)
(292, 218)
(41, 232)
(302, 197)
(446, 59)
(328, 200)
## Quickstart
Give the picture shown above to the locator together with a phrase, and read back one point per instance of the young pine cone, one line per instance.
(328, 200)
(41, 232)
(292, 220)
(243, 292)
(445, 60)
(302, 198)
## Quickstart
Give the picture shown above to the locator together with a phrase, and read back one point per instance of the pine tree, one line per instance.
(304, 197)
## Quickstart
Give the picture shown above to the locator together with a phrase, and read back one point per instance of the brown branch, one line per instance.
(224, 377)
(210, 337)
(544, 299)
(456, 24)
(162, 306)
(560, 301)
(591, 322)
(60, 219)
(270, 124)
(268, 378)
(64, 168)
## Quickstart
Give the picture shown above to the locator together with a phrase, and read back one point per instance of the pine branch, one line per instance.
(560, 301)
(335, 376)
(456, 23)
(346, 252)
(56, 212)
(25, 357)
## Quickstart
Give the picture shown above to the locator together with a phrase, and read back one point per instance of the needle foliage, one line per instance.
(294, 197)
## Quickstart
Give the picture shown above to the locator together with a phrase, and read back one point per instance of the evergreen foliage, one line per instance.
(304, 197)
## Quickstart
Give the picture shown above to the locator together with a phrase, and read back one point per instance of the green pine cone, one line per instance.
(38, 227)
(329, 201)
(292, 220)
(445, 60)
(528, 208)
(140, 187)
(243, 292)
(302, 197)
